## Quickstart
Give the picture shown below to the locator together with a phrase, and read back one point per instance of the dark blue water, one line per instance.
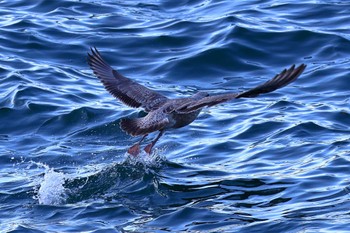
(277, 163)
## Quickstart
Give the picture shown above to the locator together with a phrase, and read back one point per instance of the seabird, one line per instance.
(164, 113)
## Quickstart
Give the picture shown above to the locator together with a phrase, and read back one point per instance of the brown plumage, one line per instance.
(164, 113)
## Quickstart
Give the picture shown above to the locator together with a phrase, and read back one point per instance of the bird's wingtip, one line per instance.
(93, 50)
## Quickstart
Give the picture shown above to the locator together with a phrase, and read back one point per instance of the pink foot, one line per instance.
(134, 150)
(148, 148)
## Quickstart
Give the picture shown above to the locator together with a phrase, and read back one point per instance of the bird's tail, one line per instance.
(130, 126)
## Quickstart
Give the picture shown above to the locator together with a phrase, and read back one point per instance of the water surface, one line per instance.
(277, 163)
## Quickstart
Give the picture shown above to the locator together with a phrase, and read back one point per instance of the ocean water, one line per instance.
(276, 163)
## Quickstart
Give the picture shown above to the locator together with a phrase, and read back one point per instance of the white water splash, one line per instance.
(51, 191)
(147, 160)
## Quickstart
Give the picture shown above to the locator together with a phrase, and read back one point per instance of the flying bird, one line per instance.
(165, 113)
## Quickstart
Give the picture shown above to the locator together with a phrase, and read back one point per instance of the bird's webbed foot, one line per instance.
(135, 149)
(149, 147)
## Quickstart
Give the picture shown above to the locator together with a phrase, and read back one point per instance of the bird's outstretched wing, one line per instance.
(280, 80)
(124, 89)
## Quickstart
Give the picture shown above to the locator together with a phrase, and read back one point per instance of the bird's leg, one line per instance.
(135, 149)
(149, 147)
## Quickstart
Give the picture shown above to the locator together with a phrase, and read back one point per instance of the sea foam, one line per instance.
(52, 191)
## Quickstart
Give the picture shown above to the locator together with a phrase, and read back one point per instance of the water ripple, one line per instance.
(271, 164)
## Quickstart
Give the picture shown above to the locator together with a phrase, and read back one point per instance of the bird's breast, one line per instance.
(180, 120)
